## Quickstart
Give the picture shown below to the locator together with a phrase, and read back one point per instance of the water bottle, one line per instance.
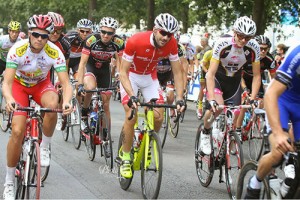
(94, 118)
(215, 135)
(136, 140)
(246, 118)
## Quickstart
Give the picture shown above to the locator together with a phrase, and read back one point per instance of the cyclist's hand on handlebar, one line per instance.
(67, 108)
(282, 142)
(254, 103)
(214, 105)
(80, 90)
(132, 102)
(11, 105)
(181, 105)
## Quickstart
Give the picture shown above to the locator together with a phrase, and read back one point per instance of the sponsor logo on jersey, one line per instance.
(22, 49)
(52, 53)
(91, 40)
(118, 41)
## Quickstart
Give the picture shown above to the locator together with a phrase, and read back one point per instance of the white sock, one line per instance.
(255, 183)
(10, 175)
(45, 141)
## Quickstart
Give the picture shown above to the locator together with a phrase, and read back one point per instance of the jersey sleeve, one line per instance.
(12, 58)
(119, 42)
(129, 51)
(220, 44)
(87, 44)
(58, 58)
(174, 50)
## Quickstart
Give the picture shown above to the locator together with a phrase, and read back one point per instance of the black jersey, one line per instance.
(76, 44)
(64, 45)
(266, 63)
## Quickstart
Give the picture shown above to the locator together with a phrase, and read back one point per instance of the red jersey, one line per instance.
(141, 51)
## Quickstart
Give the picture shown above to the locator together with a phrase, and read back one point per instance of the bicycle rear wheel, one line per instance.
(233, 163)
(106, 146)
(174, 126)
(4, 116)
(124, 182)
(33, 187)
(152, 165)
(204, 163)
(248, 171)
(165, 127)
(75, 124)
(255, 139)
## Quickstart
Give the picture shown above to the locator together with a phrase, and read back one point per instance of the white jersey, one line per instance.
(5, 45)
(190, 51)
(32, 68)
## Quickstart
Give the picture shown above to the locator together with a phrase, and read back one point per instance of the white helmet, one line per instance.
(166, 22)
(109, 22)
(84, 23)
(184, 39)
(245, 25)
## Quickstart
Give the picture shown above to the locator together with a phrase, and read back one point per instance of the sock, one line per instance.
(126, 156)
(255, 183)
(200, 105)
(238, 129)
(45, 141)
(10, 175)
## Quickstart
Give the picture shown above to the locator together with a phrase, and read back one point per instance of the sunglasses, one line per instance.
(58, 31)
(165, 33)
(83, 31)
(241, 37)
(264, 48)
(37, 35)
(107, 32)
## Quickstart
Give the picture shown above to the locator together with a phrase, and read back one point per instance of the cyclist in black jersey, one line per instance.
(98, 49)
(84, 28)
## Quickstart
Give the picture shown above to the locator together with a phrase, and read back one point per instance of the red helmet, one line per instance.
(43, 22)
(57, 19)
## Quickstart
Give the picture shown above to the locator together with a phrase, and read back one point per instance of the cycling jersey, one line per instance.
(64, 45)
(76, 44)
(266, 63)
(206, 58)
(32, 68)
(190, 51)
(5, 45)
(288, 74)
(141, 51)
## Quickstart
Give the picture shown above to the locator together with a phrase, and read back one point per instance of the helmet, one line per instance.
(245, 25)
(109, 22)
(42, 22)
(57, 19)
(84, 23)
(14, 26)
(261, 39)
(184, 39)
(95, 28)
(166, 22)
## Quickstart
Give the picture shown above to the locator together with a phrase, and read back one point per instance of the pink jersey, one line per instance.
(140, 50)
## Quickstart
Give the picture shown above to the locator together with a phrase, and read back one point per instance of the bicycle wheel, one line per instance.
(75, 124)
(233, 163)
(106, 146)
(204, 163)
(174, 126)
(45, 170)
(124, 182)
(165, 127)
(255, 139)
(20, 171)
(4, 116)
(248, 171)
(151, 168)
(90, 145)
(66, 129)
(33, 169)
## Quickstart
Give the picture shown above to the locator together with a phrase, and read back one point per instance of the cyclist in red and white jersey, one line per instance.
(138, 71)
(28, 64)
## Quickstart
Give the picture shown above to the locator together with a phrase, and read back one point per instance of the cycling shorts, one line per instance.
(74, 64)
(21, 93)
(165, 78)
(148, 85)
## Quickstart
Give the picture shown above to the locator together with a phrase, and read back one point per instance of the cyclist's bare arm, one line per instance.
(68, 91)
(204, 66)
(256, 79)
(210, 78)
(124, 78)
(82, 67)
(196, 63)
(7, 87)
(118, 61)
(185, 68)
(179, 85)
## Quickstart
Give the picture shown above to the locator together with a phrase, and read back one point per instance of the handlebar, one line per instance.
(101, 89)
(38, 109)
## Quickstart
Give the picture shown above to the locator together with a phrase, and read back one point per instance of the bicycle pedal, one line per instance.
(118, 160)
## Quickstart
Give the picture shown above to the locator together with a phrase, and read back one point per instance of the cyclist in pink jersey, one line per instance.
(138, 71)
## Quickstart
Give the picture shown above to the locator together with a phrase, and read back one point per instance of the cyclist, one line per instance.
(7, 41)
(282, 96)
(140, 57)
(84, 28)
(28, 64)
(224, 76)
(266, 63)
(98, 50)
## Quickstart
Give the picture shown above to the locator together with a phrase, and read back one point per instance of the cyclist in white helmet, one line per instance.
(138, 71)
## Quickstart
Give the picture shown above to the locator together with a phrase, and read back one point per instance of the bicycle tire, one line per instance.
(106, 141)
(90, 145)
(165, 127)
(235, 163)
(20, 171)
(204, 108)
(173, 126)
(124, 182)
(33, 189)
(152, 192)
(4, 116)
(243, 180)
(65, 128)
(201, 159)
(255, 140)
(75, 124)
(45, 170)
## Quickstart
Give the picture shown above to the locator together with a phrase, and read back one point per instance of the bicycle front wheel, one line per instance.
(204, 163)
(106, 146)
(33, 186)
(255, 139)
(75, 124)
(152, 164)
(90, 145)
(248, 171)
(165, 127)
(174, 126)
(66, 130)
(233, 163)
